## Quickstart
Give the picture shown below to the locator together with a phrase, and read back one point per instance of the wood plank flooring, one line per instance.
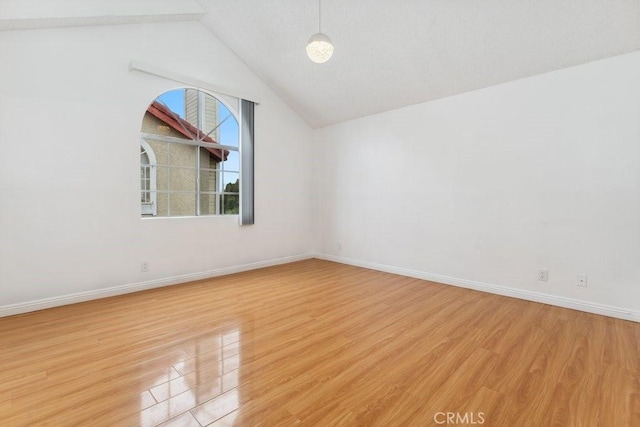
(320, 344)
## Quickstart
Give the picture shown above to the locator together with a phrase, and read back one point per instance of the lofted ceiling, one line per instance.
(390, 54)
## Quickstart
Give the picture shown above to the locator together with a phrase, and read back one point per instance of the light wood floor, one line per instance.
(321, 344)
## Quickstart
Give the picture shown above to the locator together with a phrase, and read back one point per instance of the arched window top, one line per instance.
(147, 156)
(194, 114)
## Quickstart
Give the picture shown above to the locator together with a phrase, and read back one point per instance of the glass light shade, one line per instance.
(319, 48)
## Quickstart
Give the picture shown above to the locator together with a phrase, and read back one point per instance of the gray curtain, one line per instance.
(247, 148)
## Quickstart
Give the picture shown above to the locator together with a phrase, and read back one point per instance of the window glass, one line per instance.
(194, 139)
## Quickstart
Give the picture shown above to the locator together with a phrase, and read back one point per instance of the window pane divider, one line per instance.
(173, 139)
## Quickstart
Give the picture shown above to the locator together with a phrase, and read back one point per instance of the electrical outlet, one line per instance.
(543, 275)
(144, 266)
(582, 280)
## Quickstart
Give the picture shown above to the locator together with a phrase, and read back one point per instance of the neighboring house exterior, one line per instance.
(169, 169)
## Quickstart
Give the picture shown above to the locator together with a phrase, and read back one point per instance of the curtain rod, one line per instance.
(170, 75)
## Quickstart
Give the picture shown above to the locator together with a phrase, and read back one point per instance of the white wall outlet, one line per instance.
(144, 266)
(543, 275)
(582, 280)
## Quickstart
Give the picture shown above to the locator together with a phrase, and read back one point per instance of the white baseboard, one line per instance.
(589, 307)
(10, 310)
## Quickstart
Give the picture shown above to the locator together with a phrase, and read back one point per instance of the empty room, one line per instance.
(319, 212)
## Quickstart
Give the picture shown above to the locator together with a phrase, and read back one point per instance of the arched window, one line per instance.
(194, 139)
(148, 193)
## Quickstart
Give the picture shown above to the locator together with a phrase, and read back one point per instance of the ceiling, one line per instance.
(390, 54)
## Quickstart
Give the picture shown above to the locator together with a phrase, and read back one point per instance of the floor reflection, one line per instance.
(204, 383)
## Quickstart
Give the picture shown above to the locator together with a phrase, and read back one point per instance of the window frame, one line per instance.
(151, 207)
(199, 143)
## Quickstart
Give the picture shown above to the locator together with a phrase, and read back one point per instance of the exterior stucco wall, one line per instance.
(176, 173)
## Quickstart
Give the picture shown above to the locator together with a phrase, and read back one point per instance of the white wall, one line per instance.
(479, 189)
(30, 14)
(485, 188)
(70, 116)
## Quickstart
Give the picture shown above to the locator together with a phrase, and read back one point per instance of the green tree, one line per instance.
(232, 201)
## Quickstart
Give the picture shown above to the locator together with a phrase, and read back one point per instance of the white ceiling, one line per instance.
(394, 53)
(389, 53)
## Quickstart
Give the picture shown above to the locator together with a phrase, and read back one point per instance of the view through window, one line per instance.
(189, 156)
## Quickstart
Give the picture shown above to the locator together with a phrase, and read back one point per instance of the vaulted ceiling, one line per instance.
(390, 54)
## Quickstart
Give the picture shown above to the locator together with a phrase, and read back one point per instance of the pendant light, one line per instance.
(319, 47)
